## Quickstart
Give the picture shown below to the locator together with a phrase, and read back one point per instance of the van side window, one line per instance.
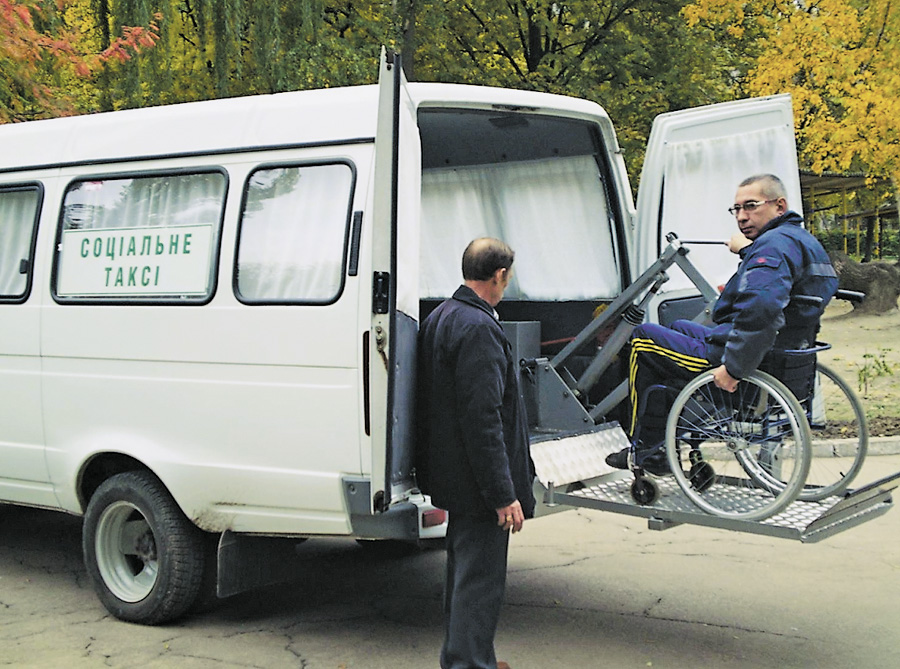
(141, 238)
(19, 208)
(293, 234)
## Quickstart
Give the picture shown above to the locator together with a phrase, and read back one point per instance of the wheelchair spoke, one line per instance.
(840, 436)
(743, 454)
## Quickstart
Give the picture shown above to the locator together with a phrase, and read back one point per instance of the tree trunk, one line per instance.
(878, 280)
(406, 12)
(101, 11)
(868, 251)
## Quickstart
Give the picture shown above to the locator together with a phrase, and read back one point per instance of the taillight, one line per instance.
(433, 518)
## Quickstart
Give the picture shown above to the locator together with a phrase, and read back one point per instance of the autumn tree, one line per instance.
(41, 53)
(222, 48)
(637, 58)
(840, 60)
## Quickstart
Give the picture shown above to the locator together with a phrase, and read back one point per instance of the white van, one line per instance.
(210, 309)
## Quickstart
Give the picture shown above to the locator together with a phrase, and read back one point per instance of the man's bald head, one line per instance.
(484, 256)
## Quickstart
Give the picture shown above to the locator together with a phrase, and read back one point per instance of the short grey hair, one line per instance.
(772, 187)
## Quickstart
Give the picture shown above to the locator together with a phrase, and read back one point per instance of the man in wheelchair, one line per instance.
(753, 315)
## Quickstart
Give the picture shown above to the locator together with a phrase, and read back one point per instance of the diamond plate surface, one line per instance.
(577, 457)
(617, 490)
(580, 459)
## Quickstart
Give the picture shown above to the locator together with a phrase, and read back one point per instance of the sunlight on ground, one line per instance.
(866, 353)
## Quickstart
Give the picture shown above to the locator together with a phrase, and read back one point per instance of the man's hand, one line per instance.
(724, 380)
(511, 517)
(737, 242)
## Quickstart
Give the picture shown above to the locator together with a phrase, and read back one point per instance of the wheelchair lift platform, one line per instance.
(572, 472)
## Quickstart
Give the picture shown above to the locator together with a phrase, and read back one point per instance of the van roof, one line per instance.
(333, 115)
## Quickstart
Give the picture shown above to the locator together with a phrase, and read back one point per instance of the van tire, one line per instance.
(157, 576)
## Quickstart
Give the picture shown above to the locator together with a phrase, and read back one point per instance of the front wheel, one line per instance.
(145, 558)
(644, 490)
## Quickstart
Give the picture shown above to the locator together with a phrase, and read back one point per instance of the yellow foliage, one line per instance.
(839, 59)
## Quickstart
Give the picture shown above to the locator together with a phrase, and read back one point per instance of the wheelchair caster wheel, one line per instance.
(644, 491)
(701, 476)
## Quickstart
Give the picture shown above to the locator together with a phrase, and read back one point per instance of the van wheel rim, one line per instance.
(126, 552)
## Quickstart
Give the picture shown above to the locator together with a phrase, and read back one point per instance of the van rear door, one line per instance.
(395, 281)
(695, 159)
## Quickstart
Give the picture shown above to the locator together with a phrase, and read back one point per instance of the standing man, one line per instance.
(753, 315)
(473, 455)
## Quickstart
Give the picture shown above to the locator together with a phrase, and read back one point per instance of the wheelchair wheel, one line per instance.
(840, 436)
(644, 490)
(742, 455)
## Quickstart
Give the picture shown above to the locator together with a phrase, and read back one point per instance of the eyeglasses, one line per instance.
(748, 207)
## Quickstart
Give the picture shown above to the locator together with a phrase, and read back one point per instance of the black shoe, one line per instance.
(653, 461)
(618, 460)
(656, 464)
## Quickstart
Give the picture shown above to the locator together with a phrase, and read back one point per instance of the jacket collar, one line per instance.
(468, 296)
(787, 218)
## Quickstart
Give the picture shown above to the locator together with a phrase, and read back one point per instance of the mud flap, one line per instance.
(248, 562)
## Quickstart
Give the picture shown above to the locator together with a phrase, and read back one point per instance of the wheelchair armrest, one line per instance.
(818, 347)
(853, 296)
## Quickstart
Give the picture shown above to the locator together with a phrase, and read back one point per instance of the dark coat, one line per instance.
(755, 314)
(472, 452)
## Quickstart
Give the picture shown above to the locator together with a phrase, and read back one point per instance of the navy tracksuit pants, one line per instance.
(660, 355)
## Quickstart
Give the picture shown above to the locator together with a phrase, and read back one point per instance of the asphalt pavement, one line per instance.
(586, 589)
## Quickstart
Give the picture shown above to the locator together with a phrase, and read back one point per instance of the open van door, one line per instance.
(695, 159)
(395, 285)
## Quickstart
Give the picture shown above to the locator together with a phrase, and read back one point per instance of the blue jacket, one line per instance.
(472, 453)
(754, 313)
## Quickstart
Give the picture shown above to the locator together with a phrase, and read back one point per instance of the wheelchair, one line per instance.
(792, 430)
(749, 454)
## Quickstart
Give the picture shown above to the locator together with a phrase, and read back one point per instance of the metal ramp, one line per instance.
(572, 472)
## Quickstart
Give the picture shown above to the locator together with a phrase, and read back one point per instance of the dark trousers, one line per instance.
(473, 593)
(669, 356)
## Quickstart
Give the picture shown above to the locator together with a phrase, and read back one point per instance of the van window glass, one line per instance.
(18, 218)
(532, 181)
(553, 213)
(142, 237)
(293, 234)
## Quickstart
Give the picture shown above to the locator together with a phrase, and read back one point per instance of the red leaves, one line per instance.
(133, 39)
(31, 59)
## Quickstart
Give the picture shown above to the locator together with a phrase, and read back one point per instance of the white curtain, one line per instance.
(553, 213)
(292, 233)
(18, 210)
(143, 202)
